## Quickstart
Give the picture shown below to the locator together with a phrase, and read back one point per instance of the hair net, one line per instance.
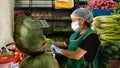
(82, 13)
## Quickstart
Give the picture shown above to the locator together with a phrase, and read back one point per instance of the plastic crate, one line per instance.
(114, 63)
(101, 12)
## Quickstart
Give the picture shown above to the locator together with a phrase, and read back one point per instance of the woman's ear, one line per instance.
(81, 21)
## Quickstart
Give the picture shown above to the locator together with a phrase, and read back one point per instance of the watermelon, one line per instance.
(40, 61)
(28, 36)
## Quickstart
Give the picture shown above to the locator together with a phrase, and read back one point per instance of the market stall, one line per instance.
(37, 23)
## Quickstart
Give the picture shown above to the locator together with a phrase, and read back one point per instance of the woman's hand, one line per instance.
(57, 49)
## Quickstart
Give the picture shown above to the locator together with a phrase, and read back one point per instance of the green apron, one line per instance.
(74, 44)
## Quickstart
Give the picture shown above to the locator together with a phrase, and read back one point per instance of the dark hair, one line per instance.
(87, 24)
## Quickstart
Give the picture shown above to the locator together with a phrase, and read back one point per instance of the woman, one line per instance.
(83, 44)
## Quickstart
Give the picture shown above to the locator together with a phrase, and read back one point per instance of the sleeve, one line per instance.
(90, 43)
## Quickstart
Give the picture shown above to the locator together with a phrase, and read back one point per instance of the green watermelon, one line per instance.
(40, 61)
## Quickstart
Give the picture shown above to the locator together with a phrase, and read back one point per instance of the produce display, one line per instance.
(112, 52)
(41, 14)
(31, 41)
(17, 54)
(50, 15)
(108, 29)
(101, 4)
(62, 28)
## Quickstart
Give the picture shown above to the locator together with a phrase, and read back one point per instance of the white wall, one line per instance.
(6, 21)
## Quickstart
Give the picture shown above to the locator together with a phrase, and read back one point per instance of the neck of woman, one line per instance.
(83, 30)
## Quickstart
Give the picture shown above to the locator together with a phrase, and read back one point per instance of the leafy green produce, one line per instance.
(111, 54)
(103, 25)
(108, 56)
(108, 51)
(108, 29)
(104, 65)
(30, 40)
(28, 36)
(109, 37)
(107, 19)
(117, 10)
(116, 43)
(41, 61)
(105, 43)
(115, 57)
(118, 53)
(114, 48)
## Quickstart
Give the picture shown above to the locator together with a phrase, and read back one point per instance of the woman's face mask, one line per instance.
(75, 26)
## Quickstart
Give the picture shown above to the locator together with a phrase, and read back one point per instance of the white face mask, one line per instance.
(75, 26)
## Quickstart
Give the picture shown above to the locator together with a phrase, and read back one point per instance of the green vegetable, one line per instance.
(116, 43)
(114, 48)
(117, 10)
(105, 43)
(108, 19)
(108, 29)
(30, 40)
(104, 65)
(118, 53)
(28, 36)
(103, 25)
(108, 51)
(109, 37)
(115, 57)
(107, 56)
